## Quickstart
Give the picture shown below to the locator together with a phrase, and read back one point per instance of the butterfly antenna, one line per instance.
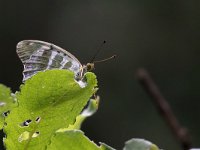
(98, 61)
(97, 52)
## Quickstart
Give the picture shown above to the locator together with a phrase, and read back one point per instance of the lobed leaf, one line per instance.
(47, 102)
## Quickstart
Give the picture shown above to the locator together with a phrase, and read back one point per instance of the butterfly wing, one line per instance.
(39, 56)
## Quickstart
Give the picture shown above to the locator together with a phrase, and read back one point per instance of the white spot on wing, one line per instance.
(64, 61)
(40, 52)
(53, 55)
(45, 47)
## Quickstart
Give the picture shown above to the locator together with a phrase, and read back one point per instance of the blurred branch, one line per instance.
(164, 109)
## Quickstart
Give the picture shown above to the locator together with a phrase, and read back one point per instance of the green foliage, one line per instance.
(48, 114)
(74, 140)
(7, 102)
(71, 140)
(89, 111)
(47, 102)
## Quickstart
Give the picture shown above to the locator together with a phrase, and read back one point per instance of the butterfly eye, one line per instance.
(90, 66)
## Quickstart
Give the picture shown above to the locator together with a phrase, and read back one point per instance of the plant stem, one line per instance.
(180, 132)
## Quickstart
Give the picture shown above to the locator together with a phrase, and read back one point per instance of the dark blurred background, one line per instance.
(162, 36)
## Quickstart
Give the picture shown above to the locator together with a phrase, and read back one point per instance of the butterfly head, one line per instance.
(83, 70)
(89, 66)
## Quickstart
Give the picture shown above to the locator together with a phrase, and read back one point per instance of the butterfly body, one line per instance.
(40, 56)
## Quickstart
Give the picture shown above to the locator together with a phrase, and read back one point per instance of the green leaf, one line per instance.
(91, 108)
(7, 102)
(139, 144)
(87, 112)
(48, 101)
(74, 140)
(71, 140)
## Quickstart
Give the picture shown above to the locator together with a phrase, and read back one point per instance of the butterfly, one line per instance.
(40, 56)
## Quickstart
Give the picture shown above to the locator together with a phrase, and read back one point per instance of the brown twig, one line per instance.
(164, 109)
